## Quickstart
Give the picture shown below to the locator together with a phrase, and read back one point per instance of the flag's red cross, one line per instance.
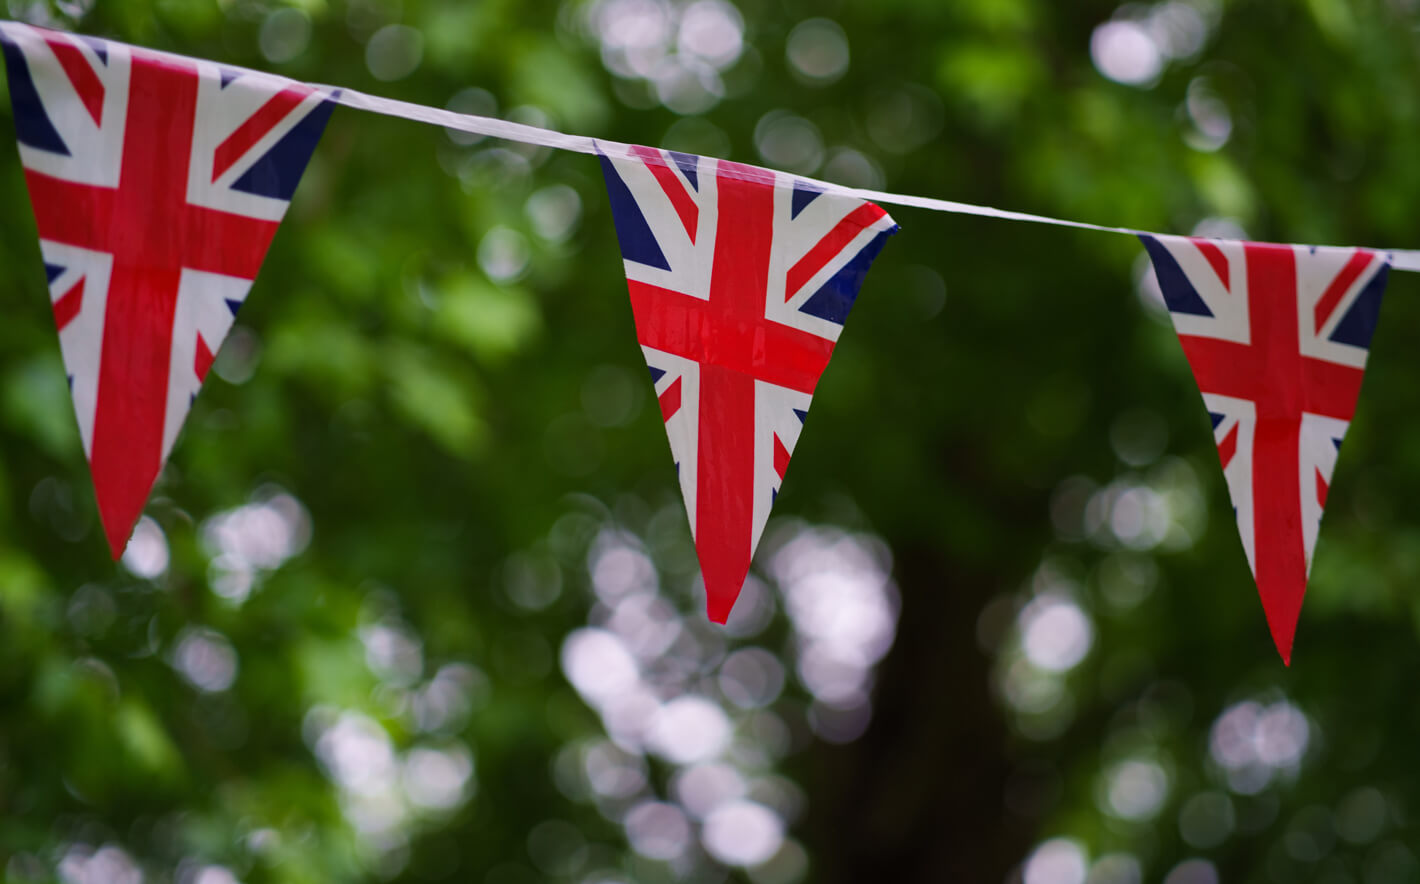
(1271, 372)
(735, 344)
(153, 233)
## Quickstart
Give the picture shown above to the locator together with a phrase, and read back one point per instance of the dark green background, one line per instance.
(434, 422)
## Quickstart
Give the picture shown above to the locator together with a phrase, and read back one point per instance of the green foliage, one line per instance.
(428, 458)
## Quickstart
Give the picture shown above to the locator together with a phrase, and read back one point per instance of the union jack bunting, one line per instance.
(740, 280)
(1277, 337)
(157, 184)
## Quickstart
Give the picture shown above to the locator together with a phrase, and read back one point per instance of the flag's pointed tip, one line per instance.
(1284, 646)
(717, 613)
(117, 540)
(1284, 630)
(720, 596)
(119, 519)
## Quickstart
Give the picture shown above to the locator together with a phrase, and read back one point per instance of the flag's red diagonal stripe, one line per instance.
(670, 400)
(69, 304)
(1321, 489)
(825, 249)
(1216, 258)
(781, 457)
(691, 328)
(673, 186)
(257, 126)
(1228, 447)
(202, 359)
(86, 83)
(1339, 286)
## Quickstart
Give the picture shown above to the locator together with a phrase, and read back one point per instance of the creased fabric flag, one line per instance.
(1277, 337)
(157, 184)
(740, 279)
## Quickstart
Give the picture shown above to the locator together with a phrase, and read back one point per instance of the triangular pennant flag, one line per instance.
(157, 184)
(1277, 337)
(741, 279)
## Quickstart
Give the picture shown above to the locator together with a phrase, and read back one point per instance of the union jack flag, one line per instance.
(157, 184)
(1277, 337)
(740, 280)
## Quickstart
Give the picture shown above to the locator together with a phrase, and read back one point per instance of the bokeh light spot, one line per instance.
(1056, 634)
(394, 52)
(742, 833)
(818, 50)
(1193, 871)
(598, 664)
(689, 729)
(1125, 52)
(285, 33)
(1057, 861)
(1116, 868)
(713, 31)
(146, 554)
(1136, 789)
(503, 254)
(657, 830)
(206, 659)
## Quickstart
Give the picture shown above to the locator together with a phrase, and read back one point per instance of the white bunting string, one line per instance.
(1400, 259)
